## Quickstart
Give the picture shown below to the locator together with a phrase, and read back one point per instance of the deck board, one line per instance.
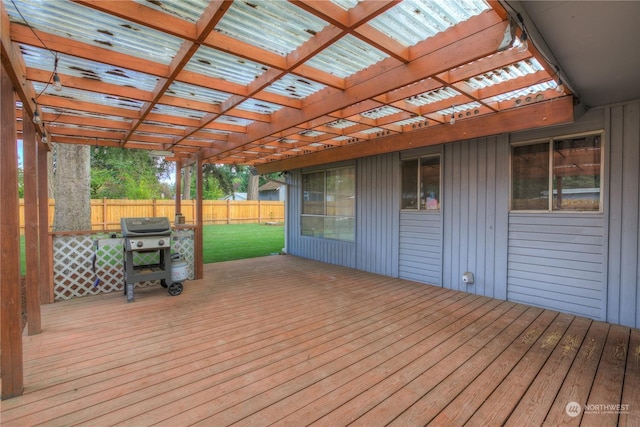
(287, 341)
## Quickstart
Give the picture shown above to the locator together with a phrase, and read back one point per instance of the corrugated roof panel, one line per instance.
(413, 21)
(91, 97)
(73, 21)
(237, 121)
(371, 130)
(257, 106)
(459, 108)
(410, 121)
(165, 125)
(312, 133)
(341, 124)
(189, 10)
(509, 72)
(178, 112)
(77, 113)
(346, 57)
(380, 112)
(294, 86)
(221, 65)
(76, 67)
(432, 96)
(541, 87)
(276, 26)
(198, 93)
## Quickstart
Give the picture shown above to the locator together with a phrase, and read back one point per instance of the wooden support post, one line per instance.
(46, 290)
(10, 315)
(199, 237)
(29, 149)
(178, 198)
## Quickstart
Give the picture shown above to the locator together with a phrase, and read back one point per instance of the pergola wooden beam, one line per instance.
(541, 114)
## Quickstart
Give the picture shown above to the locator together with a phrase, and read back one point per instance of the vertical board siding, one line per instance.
(475, 206)
(556, 261)
(623, 288)
(378, 205)
(420, 247)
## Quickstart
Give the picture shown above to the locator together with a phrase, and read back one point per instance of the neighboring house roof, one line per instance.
(270, 185)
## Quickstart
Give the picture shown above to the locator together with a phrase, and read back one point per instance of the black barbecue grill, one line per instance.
(147, 235)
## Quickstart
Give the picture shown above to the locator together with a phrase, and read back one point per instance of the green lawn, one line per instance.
(228, 242)
(239, 241)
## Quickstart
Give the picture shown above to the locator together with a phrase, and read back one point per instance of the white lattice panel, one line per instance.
(182, 242)
(73, 263)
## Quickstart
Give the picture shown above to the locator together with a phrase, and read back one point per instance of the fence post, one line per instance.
(104, 214)
(228, 212)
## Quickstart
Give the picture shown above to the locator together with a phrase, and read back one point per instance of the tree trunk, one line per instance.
(252, 187)
(72, 178)
(186, 187)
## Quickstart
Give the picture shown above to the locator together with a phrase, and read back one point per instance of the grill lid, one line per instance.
(145, 226)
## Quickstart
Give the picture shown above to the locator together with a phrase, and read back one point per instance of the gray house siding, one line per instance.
(475, 206)
(420, 249)
(378, 203)
(623, 283)
(582, 263)
(557, 261)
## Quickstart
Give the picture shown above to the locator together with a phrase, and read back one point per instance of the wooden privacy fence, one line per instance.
(106, 213)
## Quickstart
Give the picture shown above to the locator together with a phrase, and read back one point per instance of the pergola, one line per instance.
(272, 84)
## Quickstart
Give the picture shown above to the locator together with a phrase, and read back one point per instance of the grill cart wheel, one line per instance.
(175, 289)
(163, 283)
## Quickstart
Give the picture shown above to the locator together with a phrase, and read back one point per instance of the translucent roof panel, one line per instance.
(346, 57)
(198, 93)
(508, 72)
(294, 87)
(459, 108)
(433, 96)
(257, 106)
(178, 112)
(86, 25)
(413, 21)
(86, 96)
(276, 26)
(410, 121)
(221, 65)
(380, 112)
(77, 113)
(551, 84)
(76, 67)
(237, 121)
(188, 10)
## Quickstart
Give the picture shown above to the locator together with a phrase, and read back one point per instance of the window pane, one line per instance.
(341, 190)
(430, 183)
(313, 193)
(576, 173)
(410, 184)
(313, 226)
(340, 228)
(530, 177)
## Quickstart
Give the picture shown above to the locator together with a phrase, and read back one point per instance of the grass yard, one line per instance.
(227, 242)
(239, 241)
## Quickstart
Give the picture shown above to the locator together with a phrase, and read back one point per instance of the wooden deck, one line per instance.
(288, 341)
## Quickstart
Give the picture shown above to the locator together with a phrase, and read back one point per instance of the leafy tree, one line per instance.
(127, 174)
